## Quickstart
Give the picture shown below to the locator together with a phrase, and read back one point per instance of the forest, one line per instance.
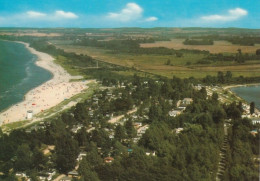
(189, 155)
(198, 42)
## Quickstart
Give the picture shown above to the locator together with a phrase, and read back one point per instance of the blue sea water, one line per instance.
(249, 93)
(18, 73)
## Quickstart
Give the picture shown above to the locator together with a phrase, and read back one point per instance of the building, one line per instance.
(187, 101)
(255, 121)
(150, 154)
(81, 155)
(174, 113)
(142, 130)
(178, 130)
(76, 128)
(138, 125)
(73, 174)
(29, 114)
(108, 159)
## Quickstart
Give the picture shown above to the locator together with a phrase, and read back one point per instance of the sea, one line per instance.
(249, 93)
(18, 73)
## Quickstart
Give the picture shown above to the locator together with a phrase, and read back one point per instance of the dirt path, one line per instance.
(116, 119)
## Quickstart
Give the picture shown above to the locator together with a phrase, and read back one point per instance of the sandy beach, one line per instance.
(240, 85)
(47, 94)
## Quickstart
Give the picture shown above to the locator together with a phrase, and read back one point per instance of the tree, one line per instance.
(120, 132)
(130, 130)
(1, 133)
(240, 57)
(214, 97)
(179, 54)
(168, 62)
(257, 52)
(93, 158)
(228, 75)
(24, 158)
(86, 171)
(39, 160)
(66, 154)
(221, 78)
(240, 107)
(252, 107)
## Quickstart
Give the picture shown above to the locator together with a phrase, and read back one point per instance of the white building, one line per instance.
(29, 114)
(174, 113)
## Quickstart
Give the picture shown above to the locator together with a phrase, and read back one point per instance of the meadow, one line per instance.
(220, 46)
(183, 67)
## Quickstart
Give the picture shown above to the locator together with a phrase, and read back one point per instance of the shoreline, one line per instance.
(240, 85)
(28, 48)
(46, 95)
(257, 110)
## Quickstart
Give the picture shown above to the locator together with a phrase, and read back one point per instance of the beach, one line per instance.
(48, 94)
(240, 85)
(245, 95)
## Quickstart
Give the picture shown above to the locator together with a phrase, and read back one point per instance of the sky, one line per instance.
(125, 13)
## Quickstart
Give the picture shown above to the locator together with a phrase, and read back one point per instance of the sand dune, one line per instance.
(46, 95)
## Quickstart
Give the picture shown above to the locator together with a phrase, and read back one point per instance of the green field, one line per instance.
(183, 67)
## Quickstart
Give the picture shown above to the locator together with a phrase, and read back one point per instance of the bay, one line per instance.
(249, 93)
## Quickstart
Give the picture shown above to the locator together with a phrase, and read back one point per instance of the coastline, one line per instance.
(46, 95)
(240, 85)
(257, 110)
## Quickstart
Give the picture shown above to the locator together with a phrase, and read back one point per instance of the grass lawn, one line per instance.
(14, 125)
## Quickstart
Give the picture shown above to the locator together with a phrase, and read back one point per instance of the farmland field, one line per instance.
(156, 64)
(218, 47)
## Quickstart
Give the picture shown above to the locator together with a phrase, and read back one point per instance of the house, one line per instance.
(91, 129)
(137, 125)
(73, 174)
(109, 94)
(198, 87)
(246, 116)
(255, 121)
(91, 113)
(184, 103)
(135, 140)
(111, 136)
(76, 128)
(21, 174)
(142, 130)
(81, 155)
(178, 103)
(108, 160)
(150, 154)
(95, 99)
(43, 178)
(254, 132)
(51, 173)
(178, 130)
(170, 102)
(187, 101)
(174, 113)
